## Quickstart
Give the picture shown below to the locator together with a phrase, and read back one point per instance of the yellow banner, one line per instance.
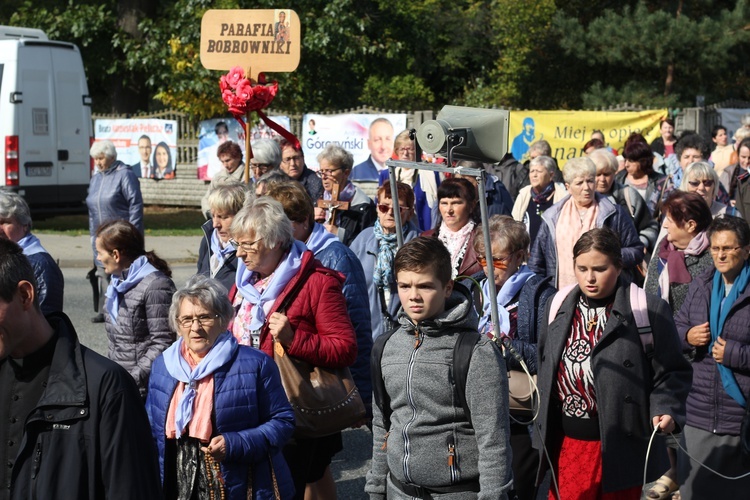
(568, 131)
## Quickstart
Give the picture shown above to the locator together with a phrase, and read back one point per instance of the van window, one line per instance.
(1, 84)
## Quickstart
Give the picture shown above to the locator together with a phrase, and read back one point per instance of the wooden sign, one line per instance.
(264, 40)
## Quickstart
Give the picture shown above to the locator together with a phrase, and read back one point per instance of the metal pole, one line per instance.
(396, 209)
(494, 315)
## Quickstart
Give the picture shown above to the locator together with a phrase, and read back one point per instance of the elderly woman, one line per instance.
(266, 157)
(333, 254)
(540, 195)
(335, 164)
(138, 297)
(15, 225)
(701, 178)
(735, 179)
(714, 320)
(424, 183)
(230, 155)
(114, 194)
(683, 254)
(162, 162)
(458, 224)
(284, 296)
(521, 296)
(270, 179)
(625, 196)
(640, 175)
(568, 219)
(218, 411)
(601, 396)
(216, 255)
(375, 247)
(293, 165)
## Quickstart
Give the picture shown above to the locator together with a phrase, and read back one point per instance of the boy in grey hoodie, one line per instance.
(432, 449)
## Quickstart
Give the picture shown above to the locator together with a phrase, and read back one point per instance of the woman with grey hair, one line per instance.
(269, 180)
(285, 299)
(584, 209)
(540, 195)
(216, 256)
(334, 166)
(217, 410)
(114, 194)
(15, 225)
(625, 196)
(266, 157)
(700, 177)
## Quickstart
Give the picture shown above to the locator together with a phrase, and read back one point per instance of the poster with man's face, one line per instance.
(148, 145)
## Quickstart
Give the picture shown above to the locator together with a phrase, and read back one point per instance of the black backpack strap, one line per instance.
(379, 394)
(462, 351)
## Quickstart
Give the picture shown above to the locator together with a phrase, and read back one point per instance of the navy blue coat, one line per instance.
(49, 280)
(709, 407)
(339, 257)
(251, 411)
(365, 171)
(226, 273)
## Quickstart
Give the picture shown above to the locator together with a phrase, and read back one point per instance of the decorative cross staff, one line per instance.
(332, 206)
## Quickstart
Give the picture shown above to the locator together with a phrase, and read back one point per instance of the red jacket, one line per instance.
(316, 308)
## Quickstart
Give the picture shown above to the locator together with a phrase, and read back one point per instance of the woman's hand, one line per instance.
(718, 350)
(281, 330)
(217, 448)
(319, 215)
(699, 335)
(664, 423)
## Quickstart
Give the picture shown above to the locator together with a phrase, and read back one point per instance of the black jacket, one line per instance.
(228, 269)
(88, 437)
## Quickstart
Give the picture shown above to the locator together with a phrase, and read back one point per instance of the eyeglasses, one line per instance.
(709, 183)
(327, 173)
(292, 159)
(246, 247)
(717, 250)
(497, 263)
(384, 209)
(403, 151)
(203, 320)
(260, 167)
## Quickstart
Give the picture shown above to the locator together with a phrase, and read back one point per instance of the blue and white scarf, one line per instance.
(718, 313)
(382, 275)
(319, 239)
(178, 367)
(218, 254)
(506, 293)
(31, 245)
(139, 269)
(245, 280)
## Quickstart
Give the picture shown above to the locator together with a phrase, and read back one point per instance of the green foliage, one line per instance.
(418, 54)
(399, 93)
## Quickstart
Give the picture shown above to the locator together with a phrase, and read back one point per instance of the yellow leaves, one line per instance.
(175, 44)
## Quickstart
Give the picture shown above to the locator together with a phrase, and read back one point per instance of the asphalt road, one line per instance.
(349, 466)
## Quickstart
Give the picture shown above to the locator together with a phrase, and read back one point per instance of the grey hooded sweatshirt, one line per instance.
(428, 425)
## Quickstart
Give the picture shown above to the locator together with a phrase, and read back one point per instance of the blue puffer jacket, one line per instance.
(365, 247)
(339, 257)
(709, 407)
(114, 194)
(49, 280)
(543, 258)
(250, 410)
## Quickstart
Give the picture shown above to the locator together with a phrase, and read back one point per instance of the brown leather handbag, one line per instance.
(325, 400)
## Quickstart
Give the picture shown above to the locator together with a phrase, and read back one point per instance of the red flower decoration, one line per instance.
(241, 96)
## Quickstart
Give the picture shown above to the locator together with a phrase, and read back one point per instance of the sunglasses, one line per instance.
(709, 183)
(384, 209)
(497, 263)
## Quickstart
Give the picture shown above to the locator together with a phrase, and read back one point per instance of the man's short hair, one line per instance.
(542, 147)
(14, 268)
(144, 136)
(380, 120)
(425, 255)
(221, 128)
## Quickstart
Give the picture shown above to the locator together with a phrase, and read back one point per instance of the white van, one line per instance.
(45, 119)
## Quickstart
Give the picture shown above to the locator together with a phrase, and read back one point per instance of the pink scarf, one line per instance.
(200, 425)
(570, 226)
(675, 270)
